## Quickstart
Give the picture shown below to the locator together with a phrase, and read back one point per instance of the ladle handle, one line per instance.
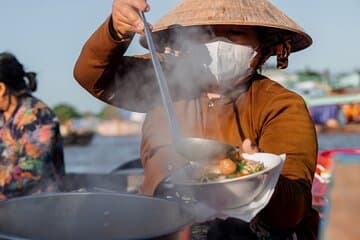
(164, 90)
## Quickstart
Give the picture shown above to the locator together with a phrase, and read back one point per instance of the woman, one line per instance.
(211, 51)
(30, 143)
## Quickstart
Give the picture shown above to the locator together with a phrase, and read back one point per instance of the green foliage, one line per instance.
(109, 112)
(66, 112)
(310, 75)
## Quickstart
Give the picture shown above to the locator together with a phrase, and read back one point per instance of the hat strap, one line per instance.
(283, 51)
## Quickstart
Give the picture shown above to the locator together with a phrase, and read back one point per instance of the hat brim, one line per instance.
(299, 40)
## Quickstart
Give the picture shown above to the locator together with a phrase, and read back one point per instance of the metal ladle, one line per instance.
(194, 149)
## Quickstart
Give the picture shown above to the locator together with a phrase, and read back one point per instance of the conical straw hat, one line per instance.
(234, 12)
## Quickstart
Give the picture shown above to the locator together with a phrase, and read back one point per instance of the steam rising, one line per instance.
(184, 62)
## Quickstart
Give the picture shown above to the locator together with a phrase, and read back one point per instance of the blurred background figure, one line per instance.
(31, 150)
(328, 116)
(351, 112)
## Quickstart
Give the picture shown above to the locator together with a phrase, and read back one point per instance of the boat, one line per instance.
(337, 113)
(78, 139)
(324, 181)
(332, 99)
(349, 128)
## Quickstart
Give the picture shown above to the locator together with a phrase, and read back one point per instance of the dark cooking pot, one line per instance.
(89, 216)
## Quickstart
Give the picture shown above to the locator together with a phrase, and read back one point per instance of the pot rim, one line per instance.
(172, 229)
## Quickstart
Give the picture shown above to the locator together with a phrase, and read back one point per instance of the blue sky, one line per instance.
(47, 36)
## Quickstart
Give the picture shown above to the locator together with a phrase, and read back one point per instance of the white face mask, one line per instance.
(230, 62)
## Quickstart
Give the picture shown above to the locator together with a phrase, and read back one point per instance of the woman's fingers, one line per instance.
(126, 26)
(249, 147)
(140, 5)
(126, 18)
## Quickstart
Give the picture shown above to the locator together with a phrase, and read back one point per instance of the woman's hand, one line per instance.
(125, 16)
(249, 147)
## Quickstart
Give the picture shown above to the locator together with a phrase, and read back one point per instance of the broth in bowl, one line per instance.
(230, 168)
(231, 190)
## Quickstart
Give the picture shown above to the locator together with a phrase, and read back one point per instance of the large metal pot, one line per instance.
(91, 216)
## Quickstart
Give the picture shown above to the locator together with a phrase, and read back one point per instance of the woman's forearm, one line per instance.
(96, 58)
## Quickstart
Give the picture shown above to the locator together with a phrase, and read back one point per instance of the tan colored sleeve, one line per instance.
(157, 152)
(288, 128)
(104, 71)
(96, 56)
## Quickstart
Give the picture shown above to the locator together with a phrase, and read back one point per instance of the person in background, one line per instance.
(356, 112)
(31, 150)
(210, 52)
(348, 112)
(326, 116)
(351, 112)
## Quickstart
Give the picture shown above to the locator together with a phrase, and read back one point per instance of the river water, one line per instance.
(107, 153)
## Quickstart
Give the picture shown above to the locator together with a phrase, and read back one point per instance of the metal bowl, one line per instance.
(228, 193)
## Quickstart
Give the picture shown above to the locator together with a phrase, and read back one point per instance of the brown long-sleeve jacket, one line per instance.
(273, 117)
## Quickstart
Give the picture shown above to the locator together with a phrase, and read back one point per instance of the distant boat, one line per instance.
(116, 127)
(349, 128)
(334, 99)
(324, 181)
(78, 139)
